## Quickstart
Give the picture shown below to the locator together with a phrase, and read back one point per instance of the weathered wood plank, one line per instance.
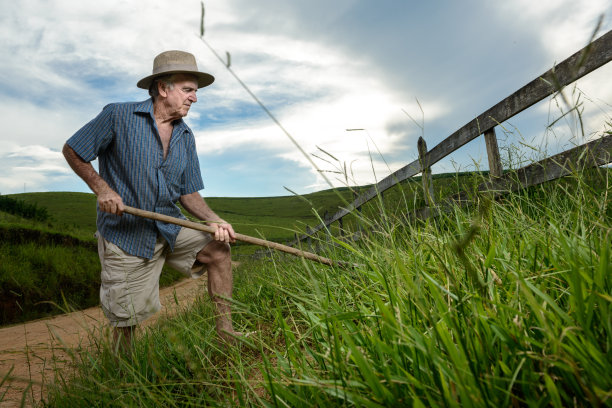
(598, 53)
(495, 165)
(426, 178)
(592, 154)
(588, 59)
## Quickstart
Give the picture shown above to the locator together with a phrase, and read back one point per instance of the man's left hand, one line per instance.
(225, 232)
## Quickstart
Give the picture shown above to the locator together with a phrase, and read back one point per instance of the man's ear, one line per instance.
(162, 89)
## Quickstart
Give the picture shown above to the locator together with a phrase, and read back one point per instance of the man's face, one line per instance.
(178, 100)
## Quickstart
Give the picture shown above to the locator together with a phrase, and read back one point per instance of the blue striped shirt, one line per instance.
(125, 139)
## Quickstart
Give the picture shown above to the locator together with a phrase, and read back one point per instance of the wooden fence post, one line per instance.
(426, 173)
(495, 166)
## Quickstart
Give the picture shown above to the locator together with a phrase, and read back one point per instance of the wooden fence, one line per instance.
(592, 154)
(596, 153)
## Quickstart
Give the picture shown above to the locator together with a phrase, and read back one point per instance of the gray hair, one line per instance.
(168, 80)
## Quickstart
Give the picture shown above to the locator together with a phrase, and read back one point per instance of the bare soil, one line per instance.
(34, 350)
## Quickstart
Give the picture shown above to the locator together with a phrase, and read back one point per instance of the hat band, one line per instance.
(175, 67)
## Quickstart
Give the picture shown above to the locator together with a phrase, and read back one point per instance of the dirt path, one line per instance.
(35, 349)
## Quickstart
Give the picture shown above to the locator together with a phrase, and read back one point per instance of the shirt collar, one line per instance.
(147, 107)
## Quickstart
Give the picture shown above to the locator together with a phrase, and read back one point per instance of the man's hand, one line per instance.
(224, 233)
(111, 202)
(108, 200)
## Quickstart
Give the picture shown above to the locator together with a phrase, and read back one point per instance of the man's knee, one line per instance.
(215, 252)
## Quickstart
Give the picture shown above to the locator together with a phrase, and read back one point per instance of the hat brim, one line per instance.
(204, 79)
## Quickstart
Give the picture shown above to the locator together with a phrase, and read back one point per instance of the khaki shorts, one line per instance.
(129, 292)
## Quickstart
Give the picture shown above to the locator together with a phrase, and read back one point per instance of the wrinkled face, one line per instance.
(178, 99)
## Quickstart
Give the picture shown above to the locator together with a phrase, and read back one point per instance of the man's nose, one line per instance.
(193, 97)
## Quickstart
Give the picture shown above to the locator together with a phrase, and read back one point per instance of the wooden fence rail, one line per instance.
(593, 154)
(588, 59)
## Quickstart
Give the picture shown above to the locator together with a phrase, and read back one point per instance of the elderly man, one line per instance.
(147, 159)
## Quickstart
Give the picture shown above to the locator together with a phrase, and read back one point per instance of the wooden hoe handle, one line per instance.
(240, 237)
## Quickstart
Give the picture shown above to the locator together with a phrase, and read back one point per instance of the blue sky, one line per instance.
(321, 67)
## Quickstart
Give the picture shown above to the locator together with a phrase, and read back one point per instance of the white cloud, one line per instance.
(53, 40)
(323, 123)
(563, 26)
(36, 124)
(329, 93)
(31, 166)
(68, 59)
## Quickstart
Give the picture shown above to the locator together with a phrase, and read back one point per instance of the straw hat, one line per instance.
(176, 62)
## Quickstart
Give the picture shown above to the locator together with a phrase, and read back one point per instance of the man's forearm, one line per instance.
(195, 205)
(108, 200)
(85, 171)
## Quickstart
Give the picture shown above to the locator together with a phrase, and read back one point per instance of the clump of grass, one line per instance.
(178, 362)
(506, 304)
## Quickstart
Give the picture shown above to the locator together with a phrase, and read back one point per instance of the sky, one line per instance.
(355, 83)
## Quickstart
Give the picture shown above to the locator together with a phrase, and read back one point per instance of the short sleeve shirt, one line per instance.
(125, 139)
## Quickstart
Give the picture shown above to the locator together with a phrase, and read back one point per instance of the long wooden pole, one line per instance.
(240, 237)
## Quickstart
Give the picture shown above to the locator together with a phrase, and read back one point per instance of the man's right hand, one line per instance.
(111, 202)
(108, 200)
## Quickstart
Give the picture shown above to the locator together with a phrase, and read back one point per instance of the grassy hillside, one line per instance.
(71, 213)
(279, 218)
(75, 213)
(36, 257)
(48, 265)
(33, 254)
(504, 304)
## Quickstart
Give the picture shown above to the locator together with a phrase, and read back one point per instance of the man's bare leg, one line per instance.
(122, 339)
(217, 257)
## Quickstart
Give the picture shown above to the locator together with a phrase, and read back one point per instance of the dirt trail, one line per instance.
(35, 349)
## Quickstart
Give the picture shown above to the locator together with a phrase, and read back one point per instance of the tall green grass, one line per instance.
(506, 303)
(509, 304)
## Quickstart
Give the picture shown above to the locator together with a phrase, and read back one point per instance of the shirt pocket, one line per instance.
(174, 167)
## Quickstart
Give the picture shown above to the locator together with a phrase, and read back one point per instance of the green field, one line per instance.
(37, 277)
(508, 303)
(274, 218)
(31, 287)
